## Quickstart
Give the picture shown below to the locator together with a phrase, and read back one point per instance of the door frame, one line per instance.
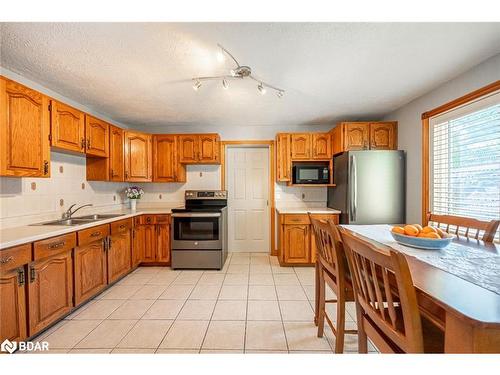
(249, 143)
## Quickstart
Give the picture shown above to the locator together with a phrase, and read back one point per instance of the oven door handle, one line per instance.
(214, 214)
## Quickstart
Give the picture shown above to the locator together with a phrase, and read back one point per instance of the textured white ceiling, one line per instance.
(140, 73)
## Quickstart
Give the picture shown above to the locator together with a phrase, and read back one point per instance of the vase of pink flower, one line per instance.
(134, 193)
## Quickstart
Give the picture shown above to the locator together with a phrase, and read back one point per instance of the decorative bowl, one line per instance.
(422, 242)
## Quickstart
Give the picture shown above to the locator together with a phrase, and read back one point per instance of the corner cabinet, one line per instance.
(296, 242)
(199, 149)
(355, 136)
(24, 131)
(67, 127)
(138, 157)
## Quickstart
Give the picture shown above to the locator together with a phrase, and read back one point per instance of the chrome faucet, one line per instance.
(69, 213)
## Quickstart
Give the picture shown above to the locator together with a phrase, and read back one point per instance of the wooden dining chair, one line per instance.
(331, 269)
(465, 226)
(386, 301)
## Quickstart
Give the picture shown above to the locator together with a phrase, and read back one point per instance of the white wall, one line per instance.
(410, 124)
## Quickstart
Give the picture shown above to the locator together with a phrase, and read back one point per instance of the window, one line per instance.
(464, 164)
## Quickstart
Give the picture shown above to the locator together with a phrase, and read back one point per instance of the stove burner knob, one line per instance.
(196, 243)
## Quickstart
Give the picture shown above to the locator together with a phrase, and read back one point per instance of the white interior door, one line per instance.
(247, 171)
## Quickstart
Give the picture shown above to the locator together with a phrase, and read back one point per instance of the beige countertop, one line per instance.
(28, 233)
(305, 210)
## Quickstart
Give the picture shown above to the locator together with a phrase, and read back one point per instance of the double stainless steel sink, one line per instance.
(80, 220)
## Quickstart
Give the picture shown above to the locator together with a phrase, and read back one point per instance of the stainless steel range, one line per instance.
(199, 231)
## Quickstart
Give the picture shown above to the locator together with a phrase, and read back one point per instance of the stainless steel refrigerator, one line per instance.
(370, 187)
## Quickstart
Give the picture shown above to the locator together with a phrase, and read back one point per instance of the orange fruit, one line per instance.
(422, 235)
(410, 230)
(442, 233)
(429, 229)
(418, 226)
(399, 230)
(433, 235)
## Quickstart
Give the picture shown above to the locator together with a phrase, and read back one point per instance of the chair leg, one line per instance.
(321, 304)
(339, 339)
(362, 338)
(316, 293)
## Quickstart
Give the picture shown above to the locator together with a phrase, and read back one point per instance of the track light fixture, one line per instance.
(239, 72)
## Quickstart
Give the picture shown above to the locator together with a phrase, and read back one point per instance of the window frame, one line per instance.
(426, 116)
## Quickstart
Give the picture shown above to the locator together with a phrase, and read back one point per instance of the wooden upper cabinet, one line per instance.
(116, 154)
(97, 136)
(283, 153)
(24, 131)
(383, 136)
(138, 157)
(199, 149)
(301, 146)
(188, 148)
(166, 166)
(356, 136)
(321, 146)
(67, 127)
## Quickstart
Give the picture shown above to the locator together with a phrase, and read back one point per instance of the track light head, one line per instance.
(225, 84)
(280, 93)
(261, 89)
(196, 85)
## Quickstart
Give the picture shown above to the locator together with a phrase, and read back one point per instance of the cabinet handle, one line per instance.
(82, 144)
(45, 167)
(88, 144)
(112, 173)
(126, 174)
(6, 260)
(95, 234)
(110, 242)
(56, 245)
(20, 276)
(104, 244)
(32, 274)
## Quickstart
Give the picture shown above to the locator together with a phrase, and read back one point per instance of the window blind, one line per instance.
(465, 161)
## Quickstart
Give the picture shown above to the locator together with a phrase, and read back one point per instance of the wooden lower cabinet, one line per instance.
(163, 243)
(152, 238)
(90, 270)
(149, 246)
(296, 242)
(138, 238)
(119, 250)
(13, 305)
(50, 290)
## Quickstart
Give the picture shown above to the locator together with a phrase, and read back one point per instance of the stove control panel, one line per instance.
(205, 194)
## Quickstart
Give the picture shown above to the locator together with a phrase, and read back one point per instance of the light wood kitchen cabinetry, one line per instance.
(321, 146)
(50, 290)
(97, 137)
(138, 241)
(166, 166)
(138, 157)
(154, 231)
(13, 292)
(90, 263)
(355, 136)
(296, 242)
(24, 131)
(199, 149)
(119, 249)
(301, 146)
(67, 127)
(283, 157)
(116, 154)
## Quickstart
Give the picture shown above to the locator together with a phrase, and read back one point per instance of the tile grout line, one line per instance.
(281, 314)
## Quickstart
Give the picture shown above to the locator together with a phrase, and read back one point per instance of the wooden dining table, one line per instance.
(467, 313)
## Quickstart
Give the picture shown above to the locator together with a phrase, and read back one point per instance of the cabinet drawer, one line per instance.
(296, 219)
(15, 257)
(121, 226)
(163, 219)
(92, 234)
(54, 245)
(333, 217)
(147, 219)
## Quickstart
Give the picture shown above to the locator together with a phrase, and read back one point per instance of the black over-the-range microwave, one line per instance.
(311, 174)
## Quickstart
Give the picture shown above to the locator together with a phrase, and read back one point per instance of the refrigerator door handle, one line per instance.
(354, 188)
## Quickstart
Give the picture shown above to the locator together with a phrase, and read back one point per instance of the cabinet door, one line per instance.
(116, 154)
(163, 244)
(138, 157)
(50, 290)
(301, 146)
(283, 163)
(119, 255)
(97, 134)
(209, 149)
(90, 270)
(383, 136)
(139, 238)
(356, 136)
(321, 146)
(67, 127)
(150, 242)
(165, 160)
(188, 148)
(297, 242)
(24, 131)
(12, 305)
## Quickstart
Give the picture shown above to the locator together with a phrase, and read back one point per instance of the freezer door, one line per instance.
(376, 187)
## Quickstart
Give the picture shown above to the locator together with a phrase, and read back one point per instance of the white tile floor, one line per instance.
(252, 306)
